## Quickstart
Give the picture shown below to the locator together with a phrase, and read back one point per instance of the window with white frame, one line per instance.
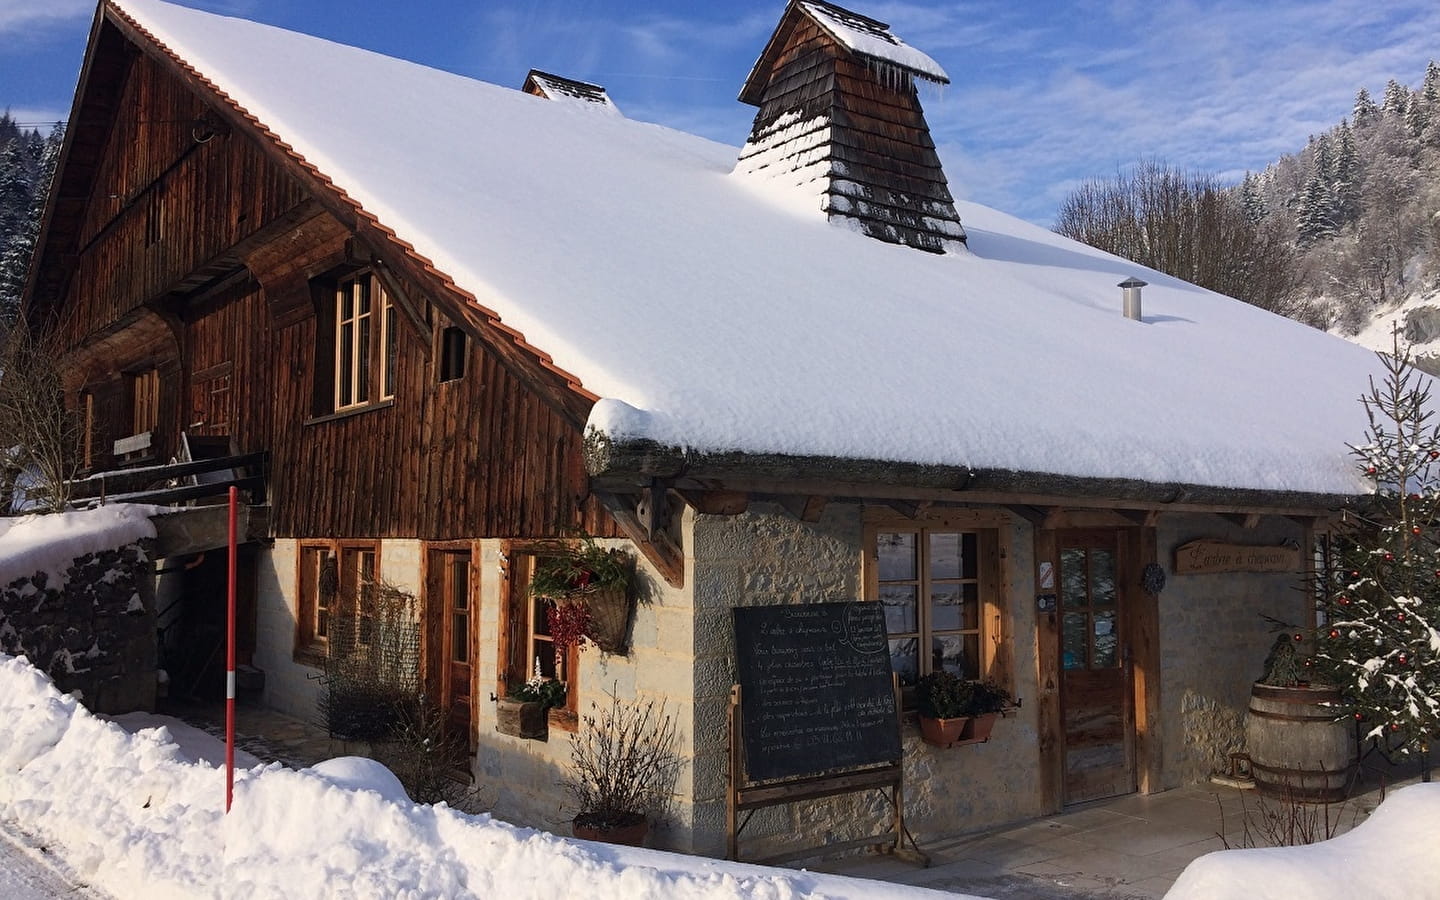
(364, 342)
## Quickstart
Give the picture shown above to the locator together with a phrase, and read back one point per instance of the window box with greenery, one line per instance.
(590, 591)
(954, 711)
(525, 710)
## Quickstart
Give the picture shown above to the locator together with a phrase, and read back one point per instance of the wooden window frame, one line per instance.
(454, 354)
(362, 344)
(993, 614)
(516, 631)
(311, 646)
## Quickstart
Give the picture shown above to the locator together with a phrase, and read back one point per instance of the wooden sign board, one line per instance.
(817, 687)
(1207, 557)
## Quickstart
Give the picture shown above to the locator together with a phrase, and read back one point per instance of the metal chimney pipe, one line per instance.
(1132, 286)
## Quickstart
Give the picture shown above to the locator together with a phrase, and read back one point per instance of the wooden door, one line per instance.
(452, 654)
(1096, 697)
(212, 403)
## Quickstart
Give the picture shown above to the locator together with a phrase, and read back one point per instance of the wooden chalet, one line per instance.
(540, 322)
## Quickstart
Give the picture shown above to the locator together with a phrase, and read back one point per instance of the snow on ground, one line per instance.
(47, 543)
(1391, 854)
(26, 874)
(141, 817)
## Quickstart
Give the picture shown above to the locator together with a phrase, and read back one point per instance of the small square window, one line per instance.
(453, 347)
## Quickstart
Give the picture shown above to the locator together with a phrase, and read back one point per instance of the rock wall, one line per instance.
(92, 631)
(1213, 642)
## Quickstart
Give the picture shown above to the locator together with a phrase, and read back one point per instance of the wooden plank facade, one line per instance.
(200, 259)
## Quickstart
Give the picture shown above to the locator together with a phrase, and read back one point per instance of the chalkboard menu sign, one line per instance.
(816, 692)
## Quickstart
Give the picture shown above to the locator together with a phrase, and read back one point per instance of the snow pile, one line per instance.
(134, 816)
(48, 543)
(1390, 854)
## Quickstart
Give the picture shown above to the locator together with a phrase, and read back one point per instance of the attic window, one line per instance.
(364, 342)
(453, 347)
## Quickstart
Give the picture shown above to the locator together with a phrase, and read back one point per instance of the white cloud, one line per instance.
(16, 15)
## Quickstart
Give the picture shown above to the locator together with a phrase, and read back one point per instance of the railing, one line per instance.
(157, 484)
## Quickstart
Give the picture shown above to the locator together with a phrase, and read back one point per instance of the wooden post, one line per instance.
(733, 779)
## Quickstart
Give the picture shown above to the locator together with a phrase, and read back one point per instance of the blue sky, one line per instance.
(1043, 95)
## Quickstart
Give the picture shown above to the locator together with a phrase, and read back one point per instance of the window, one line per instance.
(527, 640)
(940, 581)
(336, 597)
(364, 342)
(452, 354)
(144, 401)
(929, 584)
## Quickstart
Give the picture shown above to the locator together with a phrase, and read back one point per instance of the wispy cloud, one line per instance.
(18, 15)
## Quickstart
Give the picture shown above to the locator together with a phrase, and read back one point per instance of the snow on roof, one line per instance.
(874, 39)
(568, 90)
(713, 312)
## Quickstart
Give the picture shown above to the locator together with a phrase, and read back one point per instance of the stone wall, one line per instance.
(768, 557)
(1213, 642)
(92, 631)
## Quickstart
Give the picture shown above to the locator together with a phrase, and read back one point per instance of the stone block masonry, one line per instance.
(93, 631)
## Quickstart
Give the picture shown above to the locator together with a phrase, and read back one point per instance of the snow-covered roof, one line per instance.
(874, 39)
(722, 313)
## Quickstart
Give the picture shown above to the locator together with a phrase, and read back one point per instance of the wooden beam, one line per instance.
(1047, 673)
(717, 503)
(1030, 514)
(804, 508)
(667, 558)
(1054, 518)
(1145, 518)
(652, 509)
(1143, 611)
(1247, 521)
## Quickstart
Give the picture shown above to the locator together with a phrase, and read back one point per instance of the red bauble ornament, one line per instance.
(1369, 470)
(1299, 637)
(1415, 529)
(1400, 616)
(1334, 633)
(1359, 716)
(1402, 659)
(1345, 601)
(1435, 454)
(1414, 496)
(1394, 726)
(1389, 557)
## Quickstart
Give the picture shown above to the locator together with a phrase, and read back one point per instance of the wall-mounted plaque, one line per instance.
(1207, 557)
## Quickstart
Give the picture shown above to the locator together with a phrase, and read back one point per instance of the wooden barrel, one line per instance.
(1301, 743)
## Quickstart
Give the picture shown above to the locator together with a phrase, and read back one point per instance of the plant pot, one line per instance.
(942, 732)
(525, 719)
(979, 727)
(630, 834)
(610, 609)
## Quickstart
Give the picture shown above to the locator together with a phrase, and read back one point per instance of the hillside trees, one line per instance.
(27, 162)
(1188, 225)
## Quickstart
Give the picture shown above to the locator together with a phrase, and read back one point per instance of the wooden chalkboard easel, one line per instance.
(745, 798)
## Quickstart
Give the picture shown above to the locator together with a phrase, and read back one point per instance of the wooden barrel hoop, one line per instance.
(1301, 748)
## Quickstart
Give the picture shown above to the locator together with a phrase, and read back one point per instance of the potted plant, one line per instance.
(1298, 732)
(596, 583)
(624, 770)
(524, 710)
(942, 699)
(986, 702)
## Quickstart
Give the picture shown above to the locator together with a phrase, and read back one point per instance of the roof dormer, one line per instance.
(840, 115)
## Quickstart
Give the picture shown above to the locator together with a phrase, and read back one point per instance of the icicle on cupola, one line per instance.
(840, 114)
(568, 90)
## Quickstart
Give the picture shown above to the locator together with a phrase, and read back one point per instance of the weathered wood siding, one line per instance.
(161, 280)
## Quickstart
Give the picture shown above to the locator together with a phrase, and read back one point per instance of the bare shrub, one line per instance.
(625, 764)
(40, 438)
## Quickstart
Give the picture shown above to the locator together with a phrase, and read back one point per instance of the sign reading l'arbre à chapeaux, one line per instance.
(1206, 557)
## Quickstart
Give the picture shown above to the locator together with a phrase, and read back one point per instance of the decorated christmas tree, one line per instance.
(1379, 641)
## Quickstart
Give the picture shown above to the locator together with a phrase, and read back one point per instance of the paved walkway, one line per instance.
(1130, 848)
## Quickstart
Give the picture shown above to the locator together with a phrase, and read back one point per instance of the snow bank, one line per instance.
(132, 814)
(47, 543)
(1390, 854)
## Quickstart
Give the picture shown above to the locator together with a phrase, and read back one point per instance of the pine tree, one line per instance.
(1345, 180)
(1417, 116)
(1314, 217)
(1397, 98)
(1365, 112)
(1252, 201)
(1381, 640)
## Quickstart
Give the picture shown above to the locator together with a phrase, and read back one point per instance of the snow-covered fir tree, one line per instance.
(1381, 638)
(27, 161)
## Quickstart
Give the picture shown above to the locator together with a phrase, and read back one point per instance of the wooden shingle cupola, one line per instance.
(840, 115)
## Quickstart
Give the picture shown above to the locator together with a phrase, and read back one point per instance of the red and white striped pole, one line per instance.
(230, 661)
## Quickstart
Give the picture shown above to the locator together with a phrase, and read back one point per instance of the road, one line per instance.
(26, 874)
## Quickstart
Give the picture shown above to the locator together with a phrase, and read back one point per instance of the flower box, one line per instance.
(523, 718)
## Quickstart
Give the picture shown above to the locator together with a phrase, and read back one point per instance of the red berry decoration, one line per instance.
(1299, 637)
(1435, 454)
(1400, 616)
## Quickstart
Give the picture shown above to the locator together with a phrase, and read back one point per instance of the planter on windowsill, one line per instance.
(523, 718)
(978, 729)
(943, 732)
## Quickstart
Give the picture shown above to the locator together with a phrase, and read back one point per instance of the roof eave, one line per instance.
(642, 462)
